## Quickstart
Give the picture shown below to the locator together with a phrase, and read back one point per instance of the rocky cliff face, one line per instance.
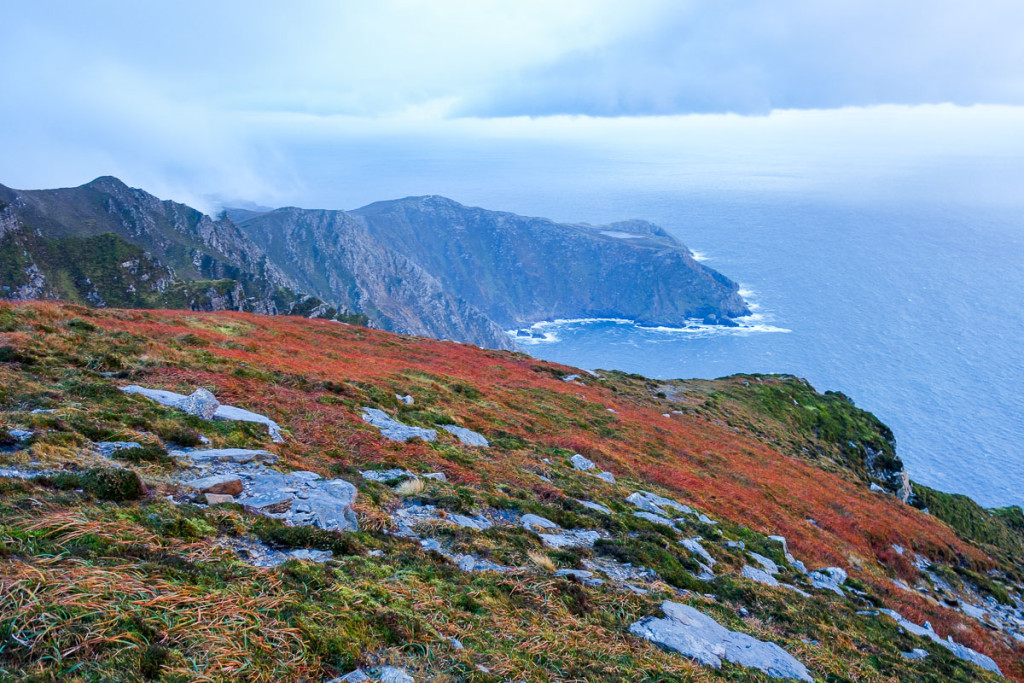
(334, 256)
(424, 265)
(107, 244)
(520, 270)
(429, 265)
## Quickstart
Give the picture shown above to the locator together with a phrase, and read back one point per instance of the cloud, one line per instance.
(246, 100)
(753, 56)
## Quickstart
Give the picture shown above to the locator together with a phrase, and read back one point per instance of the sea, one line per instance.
(914, 312)
(897, 281)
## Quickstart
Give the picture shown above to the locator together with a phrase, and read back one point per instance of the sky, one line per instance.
(335, 104)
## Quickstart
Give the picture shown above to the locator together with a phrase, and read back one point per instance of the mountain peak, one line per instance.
(105, 180)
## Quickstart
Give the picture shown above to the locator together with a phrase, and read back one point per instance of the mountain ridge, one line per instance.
(410, 265)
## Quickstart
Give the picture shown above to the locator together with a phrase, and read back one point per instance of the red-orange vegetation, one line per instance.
(729, 474)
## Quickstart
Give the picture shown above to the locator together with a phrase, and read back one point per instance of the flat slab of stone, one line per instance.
(961, 651)
(702, 639)
(650, 502)
(232, 413)
(591, 505)
(656, 518)
(467, 436)
(766, 563)
(760, 576)
(471, 563)
(238, 456)
(478, 523)
(218, 498)
(391, 428)
(385, 674)
(227, 484)
(164, 398)
(606, 476)
(694, 546)
(261, 555)
(301, 500)
(108, 448)
(580, 538)
(531, 521)
(387, 476)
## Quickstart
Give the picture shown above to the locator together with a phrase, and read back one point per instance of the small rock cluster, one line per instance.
(396, 431)
(385, 674)
(961, 651)
(583, 464)
(297, 498)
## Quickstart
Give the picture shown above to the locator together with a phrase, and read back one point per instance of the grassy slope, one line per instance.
(102, 591)
(75, 267)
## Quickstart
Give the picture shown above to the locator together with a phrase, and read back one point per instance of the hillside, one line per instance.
(105, 244)
(426, 266)
(531, 522)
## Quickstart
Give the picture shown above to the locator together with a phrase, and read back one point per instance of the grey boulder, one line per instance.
(395, 430)
(650, 502)
(581, 463)
(702, 639)
(529, 521)
(467, 436)
(760, 576)
(829, 578)
(237, 456)
(200, 403)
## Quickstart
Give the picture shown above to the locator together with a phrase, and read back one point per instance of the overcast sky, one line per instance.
(253, 99)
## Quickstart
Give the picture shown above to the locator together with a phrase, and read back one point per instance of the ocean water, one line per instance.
(892, 276)
(914, 311)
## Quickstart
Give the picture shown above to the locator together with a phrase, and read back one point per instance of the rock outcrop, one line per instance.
(202, 402)
(395, 430)
(961, 651)
(702, 639)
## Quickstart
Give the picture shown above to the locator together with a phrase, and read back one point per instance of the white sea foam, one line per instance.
(622, 235)
(750, 324)
(699, 255)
